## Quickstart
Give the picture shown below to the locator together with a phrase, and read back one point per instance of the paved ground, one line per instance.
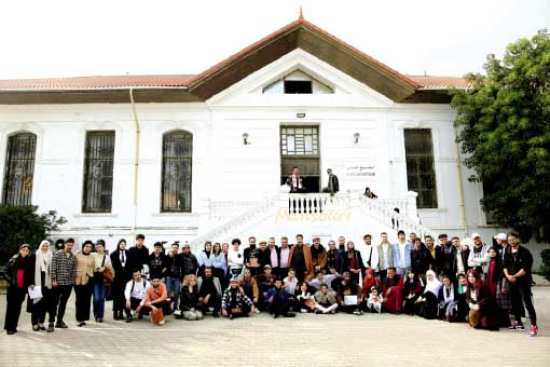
(307, 340)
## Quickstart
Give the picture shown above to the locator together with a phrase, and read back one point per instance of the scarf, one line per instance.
(448, 294)
(43, 262)
(432, 286)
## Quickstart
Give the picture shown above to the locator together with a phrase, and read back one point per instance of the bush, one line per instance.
(545, 267)
(21, 224)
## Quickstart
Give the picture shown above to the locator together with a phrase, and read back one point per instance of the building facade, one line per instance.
(194, 157)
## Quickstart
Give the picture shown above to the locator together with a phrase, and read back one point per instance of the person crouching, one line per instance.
(156, 299)
(234, 302)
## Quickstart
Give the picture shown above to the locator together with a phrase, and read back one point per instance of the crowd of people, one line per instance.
(485, 285)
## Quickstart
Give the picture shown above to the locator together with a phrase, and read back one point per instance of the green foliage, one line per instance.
(504, 124)
(545, 267)
(21, 224)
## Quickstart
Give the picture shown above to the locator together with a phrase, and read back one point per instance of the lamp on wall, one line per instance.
(356, 136)
(245, 139)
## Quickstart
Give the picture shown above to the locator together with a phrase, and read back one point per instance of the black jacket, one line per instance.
(346, 261)
(189, 300)
(140, 255)
(420, 260)
(15, 263)
(524, 260)
(335, 183)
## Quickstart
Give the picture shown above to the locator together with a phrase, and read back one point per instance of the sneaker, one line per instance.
(128, 318)
(303, 310)
(35, 328)
(513, 326)
(257, 311)
(50, 328)
(520, 327)
(81, 323)
(61, 325)
(357, 312)
(534, 330)
(41, 327)
(161, 322)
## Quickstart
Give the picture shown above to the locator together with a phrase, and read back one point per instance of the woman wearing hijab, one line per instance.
(205, 258)
(102, 266)
(448, 300)
(219, 265)
(369, 281)
(122, 265)
(480, 302)
(18, 273)
(84, 282)
(427, 303)
(42, 262)
(412, 289)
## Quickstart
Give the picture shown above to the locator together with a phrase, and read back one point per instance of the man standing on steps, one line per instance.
(63, 271)
(333, 184)
(140, 254)
(518, 262)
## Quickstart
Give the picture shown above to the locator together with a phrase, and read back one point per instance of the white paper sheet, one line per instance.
(35, 293)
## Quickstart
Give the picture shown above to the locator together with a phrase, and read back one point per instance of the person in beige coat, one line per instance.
(84, 283)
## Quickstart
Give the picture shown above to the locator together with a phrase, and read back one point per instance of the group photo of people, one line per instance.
(484, 284)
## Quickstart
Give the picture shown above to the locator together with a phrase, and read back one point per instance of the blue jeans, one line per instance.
(173, 285)
(99, 299)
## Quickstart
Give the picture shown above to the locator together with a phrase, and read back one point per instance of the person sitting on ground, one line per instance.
(277, 301)
(392, 291)
(321, 278)
(427, 303)
(462, 306)
(266, 280)
(369, 281)
(134, 294)
(412, 289)
(375, 301)
(189, 299)
(448, 300)
(305, 299)
(482, 306)
(349, 295)
(210, 293)
(325, 300)
(234, 302)
(156, 299)
(250, 286)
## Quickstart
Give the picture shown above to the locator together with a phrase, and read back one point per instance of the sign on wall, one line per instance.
(360, 171)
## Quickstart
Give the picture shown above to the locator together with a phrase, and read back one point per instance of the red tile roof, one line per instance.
(96, 82)
(167, 81)
(439, 82)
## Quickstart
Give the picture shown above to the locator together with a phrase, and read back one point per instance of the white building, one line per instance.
(194, 157)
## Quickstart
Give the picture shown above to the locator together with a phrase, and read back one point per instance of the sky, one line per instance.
(59, 38)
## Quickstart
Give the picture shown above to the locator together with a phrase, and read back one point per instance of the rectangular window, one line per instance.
(98, 172)
(420, 166)
(18, 180)
(177, 172)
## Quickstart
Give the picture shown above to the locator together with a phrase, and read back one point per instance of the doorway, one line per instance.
(300, 148)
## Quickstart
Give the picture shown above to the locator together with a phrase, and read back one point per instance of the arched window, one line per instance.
(177, 171)
(19, 173)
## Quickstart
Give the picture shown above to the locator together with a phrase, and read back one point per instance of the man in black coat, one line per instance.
(140, 253)
(333, 183)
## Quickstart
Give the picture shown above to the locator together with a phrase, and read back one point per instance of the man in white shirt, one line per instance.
(135, 295)
(284, 254)
(235, 258)
(369, 253)
(327, 279)
(274, 257)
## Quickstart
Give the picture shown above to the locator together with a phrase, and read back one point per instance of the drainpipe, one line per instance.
(136, 161)
(460, 185)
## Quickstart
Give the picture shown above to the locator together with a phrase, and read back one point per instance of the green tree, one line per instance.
(504, 124)
(21, 224)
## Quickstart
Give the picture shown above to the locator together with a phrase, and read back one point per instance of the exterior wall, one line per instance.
(226, 170)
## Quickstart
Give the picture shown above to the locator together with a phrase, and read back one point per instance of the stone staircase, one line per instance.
(347, 213)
